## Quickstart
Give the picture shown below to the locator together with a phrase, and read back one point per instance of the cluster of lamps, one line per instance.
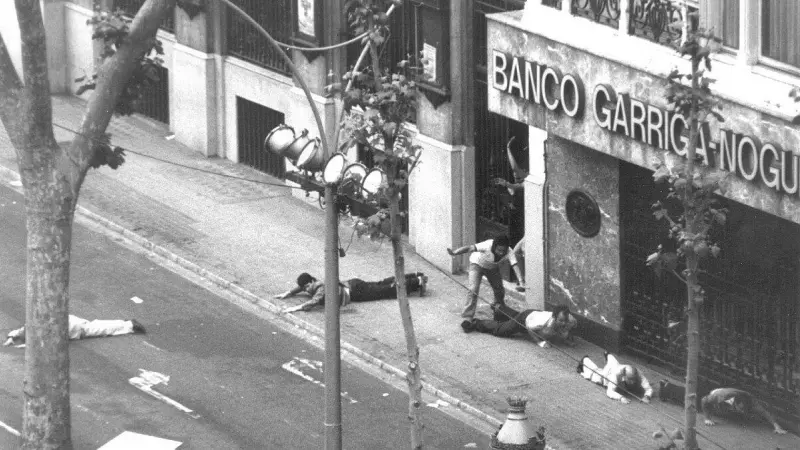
(306, 153)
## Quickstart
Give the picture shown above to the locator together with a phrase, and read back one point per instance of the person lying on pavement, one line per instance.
(81, 328)
(619, 379)
(542, 326)
(736, 401)
(353, 290)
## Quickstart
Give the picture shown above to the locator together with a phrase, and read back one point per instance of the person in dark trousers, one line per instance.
(353, 290)
(484, 261)
(737, 401)
(540, 325)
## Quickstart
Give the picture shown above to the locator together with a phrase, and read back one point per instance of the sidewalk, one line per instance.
(259, 238)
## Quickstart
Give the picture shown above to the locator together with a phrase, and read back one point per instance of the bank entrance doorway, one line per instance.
(749, 327)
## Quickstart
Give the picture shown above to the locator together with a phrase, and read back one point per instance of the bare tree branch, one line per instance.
(113, 75)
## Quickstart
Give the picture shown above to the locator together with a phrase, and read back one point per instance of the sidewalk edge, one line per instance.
(8, 175)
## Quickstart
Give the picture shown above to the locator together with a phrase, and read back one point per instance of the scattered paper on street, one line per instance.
(136, 300)
(438, 403)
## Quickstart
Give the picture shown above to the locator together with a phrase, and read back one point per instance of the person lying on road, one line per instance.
(619, 379)
(352, 290)
(730, 400)
(542, 326)
(81, 328)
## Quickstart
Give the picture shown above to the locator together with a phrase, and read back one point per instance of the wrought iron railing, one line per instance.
(658, 20)
(750, 332)
(605, 12)
(246, 43)
(131, 7)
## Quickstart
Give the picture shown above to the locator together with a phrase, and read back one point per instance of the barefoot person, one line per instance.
(81, 328)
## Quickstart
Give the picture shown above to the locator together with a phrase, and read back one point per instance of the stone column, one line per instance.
(536, 276)
(442, 188)
(195, 99)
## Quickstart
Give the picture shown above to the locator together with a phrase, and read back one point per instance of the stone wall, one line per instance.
(583, 272)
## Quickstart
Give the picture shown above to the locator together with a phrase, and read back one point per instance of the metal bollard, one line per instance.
(517, 432)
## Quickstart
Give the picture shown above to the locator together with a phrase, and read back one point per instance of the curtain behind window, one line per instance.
(780, 31)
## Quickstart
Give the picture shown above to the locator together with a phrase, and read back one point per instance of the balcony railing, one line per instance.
(605, 12)
(650, 19)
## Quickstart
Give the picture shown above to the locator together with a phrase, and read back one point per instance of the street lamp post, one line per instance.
(333, 402)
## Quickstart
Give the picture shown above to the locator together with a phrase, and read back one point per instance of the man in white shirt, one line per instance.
(618, 379)
(81, 328)
(542, 326)
(485, 261)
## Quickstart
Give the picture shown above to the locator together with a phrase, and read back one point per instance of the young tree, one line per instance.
(375, 114)
(691, 208)
(51, 178)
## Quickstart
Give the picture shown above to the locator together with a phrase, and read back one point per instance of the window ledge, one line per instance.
(771, 97)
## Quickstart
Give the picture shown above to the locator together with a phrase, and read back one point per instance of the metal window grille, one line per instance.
(254, 122)
(497, 211)
(248, 44)
(749, 332)
(131, 7)
(154, 99)
(651, 19)
(400, 44)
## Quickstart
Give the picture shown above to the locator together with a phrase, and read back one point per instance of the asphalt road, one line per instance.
(248, 383)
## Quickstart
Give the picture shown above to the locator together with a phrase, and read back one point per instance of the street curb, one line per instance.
(9, 175)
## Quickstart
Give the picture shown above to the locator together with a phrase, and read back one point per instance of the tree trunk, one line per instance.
(692, 282)
(49, 213)
(413, 377)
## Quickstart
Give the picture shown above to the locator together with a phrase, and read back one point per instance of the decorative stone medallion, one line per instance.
(583, 213)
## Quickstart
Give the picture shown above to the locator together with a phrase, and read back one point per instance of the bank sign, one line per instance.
(737, 153)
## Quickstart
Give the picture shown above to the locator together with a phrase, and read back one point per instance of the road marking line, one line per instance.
(294, 366)
(128, 440)
(9, 429)
(145, 382)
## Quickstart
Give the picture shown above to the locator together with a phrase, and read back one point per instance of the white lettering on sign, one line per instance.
(745, 156)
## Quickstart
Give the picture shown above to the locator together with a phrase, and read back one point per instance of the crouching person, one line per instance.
(618, 379)
(353, 290)
(736, 401)
(81, 328)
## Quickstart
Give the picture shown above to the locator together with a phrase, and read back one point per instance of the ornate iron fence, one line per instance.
(244, 42)
(131, 7)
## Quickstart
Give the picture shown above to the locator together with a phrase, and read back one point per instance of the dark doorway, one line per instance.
(154, 99)
(254, 122)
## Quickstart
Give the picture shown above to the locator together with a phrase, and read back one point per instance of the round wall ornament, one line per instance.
(583, 213)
